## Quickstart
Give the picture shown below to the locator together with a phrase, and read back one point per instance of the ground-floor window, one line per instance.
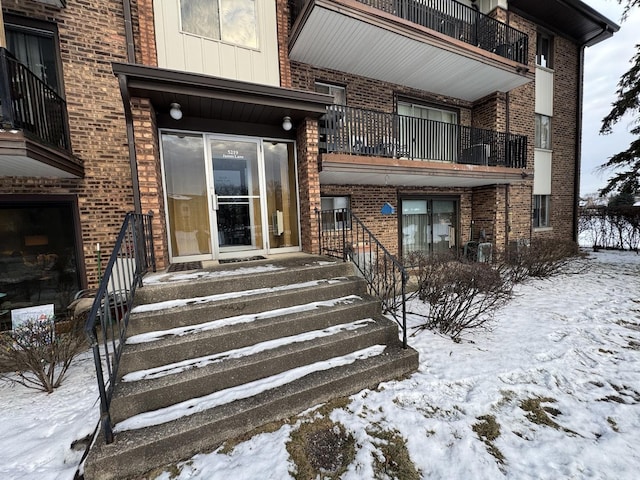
(38, 256)
(335, 215)
(428, 225)
(541, 207)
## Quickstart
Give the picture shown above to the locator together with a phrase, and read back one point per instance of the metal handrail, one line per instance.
(106, 327)
(30, 105)
(343, 235)
(458, 21)
(358, 131)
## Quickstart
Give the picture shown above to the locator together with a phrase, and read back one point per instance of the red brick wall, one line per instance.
(150, 175)
(91, 37)
(308, 183)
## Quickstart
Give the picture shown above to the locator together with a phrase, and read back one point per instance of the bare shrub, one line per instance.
(38, 354)
(461, 295)
(542, 258)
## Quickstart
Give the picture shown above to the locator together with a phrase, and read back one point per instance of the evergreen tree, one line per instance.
(627, 163)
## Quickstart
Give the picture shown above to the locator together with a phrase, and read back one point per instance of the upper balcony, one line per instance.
(34, 130)
(440, 46)
(369, 147)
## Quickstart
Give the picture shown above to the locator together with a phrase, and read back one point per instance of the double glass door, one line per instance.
(229, 196)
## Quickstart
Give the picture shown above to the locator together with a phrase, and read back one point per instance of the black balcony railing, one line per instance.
(367, 132)
(457, 21)
(30, 105)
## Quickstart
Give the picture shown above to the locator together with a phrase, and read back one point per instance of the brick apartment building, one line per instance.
(234, 121)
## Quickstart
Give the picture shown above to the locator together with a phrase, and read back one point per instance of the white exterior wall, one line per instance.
(544, 91)
(191, 53)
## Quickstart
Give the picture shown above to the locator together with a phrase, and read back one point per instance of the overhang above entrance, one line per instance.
(214, 98)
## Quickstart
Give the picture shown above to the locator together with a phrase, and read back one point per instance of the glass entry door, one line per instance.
(236, 195)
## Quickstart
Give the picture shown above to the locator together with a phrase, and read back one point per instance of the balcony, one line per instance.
(34, 131)
(365, 146)
(440, 46)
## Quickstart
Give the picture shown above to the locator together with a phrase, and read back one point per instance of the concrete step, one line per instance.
(281, 270)
(215, 336)
(231, 368)
(195, 310)
(134, 452)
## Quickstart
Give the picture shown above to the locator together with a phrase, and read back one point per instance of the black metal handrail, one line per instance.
(30, 105)
(458, 21)
(358, 131)
(106, 326)
(343, 235)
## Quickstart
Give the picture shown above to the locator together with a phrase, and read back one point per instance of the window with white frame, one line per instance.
(338, 93)
(335, 212)
(231, 21)
(543, 132)
(544, 49)
(541, 208)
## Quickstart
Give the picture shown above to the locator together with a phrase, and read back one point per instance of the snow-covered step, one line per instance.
(232, 349)
(160, 347)
(294, 268)
(138, 450)
(160, 387)
(171, 313)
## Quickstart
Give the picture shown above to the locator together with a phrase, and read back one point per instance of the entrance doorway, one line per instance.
(229, 196)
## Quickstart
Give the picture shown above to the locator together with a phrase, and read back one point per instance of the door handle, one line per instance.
(214, 201)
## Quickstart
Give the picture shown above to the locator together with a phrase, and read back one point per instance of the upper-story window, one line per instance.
(35, 45)
(338, 93)
(543, 132)
(544, 50)
(231, 21)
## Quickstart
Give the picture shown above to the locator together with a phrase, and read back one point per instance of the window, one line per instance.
(541, 211)
(232, 21)
(428, 133)
(544, 49)
(428, 225)
(35, 45)
(335, 213)
(39, 256)
(543, 132)
(338, 93)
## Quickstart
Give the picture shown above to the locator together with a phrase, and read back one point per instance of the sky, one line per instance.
(604, 64)
(570, 343)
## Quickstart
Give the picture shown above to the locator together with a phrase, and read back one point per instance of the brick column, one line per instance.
(282, 18)
(150, 174)
(308, 183)
(146, 52)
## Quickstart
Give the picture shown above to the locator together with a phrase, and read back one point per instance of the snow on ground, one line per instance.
(573, 340)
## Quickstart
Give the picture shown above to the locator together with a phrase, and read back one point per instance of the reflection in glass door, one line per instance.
(236, 196)
(282, 198)
(428, 225)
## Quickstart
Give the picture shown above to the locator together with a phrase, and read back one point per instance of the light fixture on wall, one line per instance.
(286, 124)
(175, 111)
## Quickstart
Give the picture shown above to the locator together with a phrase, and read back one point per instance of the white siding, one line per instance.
(542, 172)
(190, 53)
(544, 91)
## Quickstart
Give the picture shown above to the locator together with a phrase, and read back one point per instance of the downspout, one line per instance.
(579, 99)
(576, 178)
(126, 100)
(128, 115)
(128, 31)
